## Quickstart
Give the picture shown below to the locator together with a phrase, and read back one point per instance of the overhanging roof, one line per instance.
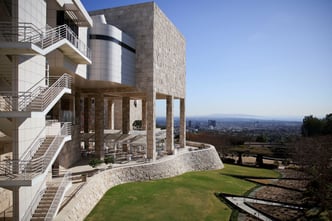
(76, 11)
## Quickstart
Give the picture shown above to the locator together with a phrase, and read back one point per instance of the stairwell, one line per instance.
(45, 203)
(35, 165)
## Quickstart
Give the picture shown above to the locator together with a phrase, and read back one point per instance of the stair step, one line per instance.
(44, 202)
(36, 219)
(39, 215)
(41, 211)
(43, 206)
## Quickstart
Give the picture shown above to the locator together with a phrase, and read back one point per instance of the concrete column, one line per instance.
(110, 111)
(169, 125)
(87, 104)
(125, 119)
(17, 213)
(144, 114)
(151, 125)
(125, 115)
(182, 123)
(99, 126)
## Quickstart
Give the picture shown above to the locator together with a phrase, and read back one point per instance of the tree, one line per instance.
(327, 127)
(314, 155)
(311, 126)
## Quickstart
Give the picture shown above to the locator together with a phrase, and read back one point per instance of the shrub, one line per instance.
(109, 159)
(95, 162)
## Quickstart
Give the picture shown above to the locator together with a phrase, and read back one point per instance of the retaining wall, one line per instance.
(95, 187)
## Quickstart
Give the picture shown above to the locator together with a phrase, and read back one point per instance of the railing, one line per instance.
(57, 198)
(36, 98)
(36, 143)
(41, 102)
(33, 206)
(26, 169)
(43, 38)
(40, 164)
(21, 32)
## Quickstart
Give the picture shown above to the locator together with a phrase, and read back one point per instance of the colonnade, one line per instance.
(106, 118)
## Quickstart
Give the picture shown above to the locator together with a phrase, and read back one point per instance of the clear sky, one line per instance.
(256, 57)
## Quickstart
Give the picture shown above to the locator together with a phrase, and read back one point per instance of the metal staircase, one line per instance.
(37, 98)
(41, 160)
(44, 204)
(47, 202)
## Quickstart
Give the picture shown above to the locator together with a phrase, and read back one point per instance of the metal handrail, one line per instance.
(33, 205)
(20, 32)
(43, 38)
(28, 154)
(36, 100)
(29, 168)
(41, 102)
(40, 164)
(58, 195)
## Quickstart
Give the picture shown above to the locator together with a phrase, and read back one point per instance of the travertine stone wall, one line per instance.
(169, 56)
(6, 199)
(94, 189)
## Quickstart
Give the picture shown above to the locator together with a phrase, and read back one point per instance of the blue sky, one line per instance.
(257, 57)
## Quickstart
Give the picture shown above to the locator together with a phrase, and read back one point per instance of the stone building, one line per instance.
(66, 74)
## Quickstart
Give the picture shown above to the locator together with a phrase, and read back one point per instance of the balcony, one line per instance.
(25, 38)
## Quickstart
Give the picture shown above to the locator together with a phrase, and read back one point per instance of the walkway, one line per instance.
(241, 202)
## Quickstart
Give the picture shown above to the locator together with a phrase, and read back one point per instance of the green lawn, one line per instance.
(186, 197)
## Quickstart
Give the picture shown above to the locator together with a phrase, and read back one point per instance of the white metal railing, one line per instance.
(33, 205)
(41, 102)
(36, 143)
(36, 98)
(43, 38)
(40, 164)
(58, 196)
(26, 169)
(20, 32)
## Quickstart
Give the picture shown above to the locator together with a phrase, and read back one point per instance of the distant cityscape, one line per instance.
(274, 130)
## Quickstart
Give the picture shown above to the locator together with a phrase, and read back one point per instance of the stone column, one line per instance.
(151, 125)
(169, 125)
(87, 104)
(99, 126)
(125, 119)
(110, 112)
(144, 114)
(182, 123)
(125, 115)
(76, 134)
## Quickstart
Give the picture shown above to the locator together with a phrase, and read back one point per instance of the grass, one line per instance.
(186, 197)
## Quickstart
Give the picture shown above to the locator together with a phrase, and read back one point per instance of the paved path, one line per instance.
(240, 202)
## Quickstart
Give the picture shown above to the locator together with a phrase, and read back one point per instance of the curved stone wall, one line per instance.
(95, 187)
